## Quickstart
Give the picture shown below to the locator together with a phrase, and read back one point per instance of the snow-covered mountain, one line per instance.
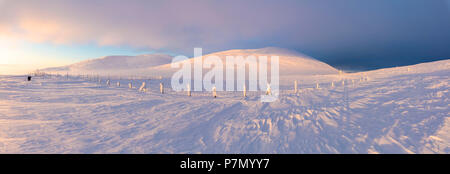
(291, 63)
(114, 65)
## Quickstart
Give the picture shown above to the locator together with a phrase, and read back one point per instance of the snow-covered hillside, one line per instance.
(291, 63)
(114, 65)
(395, 110)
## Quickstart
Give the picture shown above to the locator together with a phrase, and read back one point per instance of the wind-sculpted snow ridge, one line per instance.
(395, 110)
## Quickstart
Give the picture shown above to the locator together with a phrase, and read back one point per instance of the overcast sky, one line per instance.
(354, 34)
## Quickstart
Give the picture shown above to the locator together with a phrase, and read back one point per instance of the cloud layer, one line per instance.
(336, 31)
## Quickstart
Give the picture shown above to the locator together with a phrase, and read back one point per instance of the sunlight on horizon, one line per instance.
(19, 56)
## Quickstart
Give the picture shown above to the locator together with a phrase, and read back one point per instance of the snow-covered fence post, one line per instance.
(118, 84)
(142, 88)
(214, 92)
(161, 88)
(188, 89)
(332, 84)
(343, 82)
(317, 86)
(130, 85)
(365, 77)
(108, 82)
(269, 90)
(245, 91)
(295, 86)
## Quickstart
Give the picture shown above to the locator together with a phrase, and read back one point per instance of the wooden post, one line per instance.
(268, 92)
(295, 86)
(189, 90)
(142, 88)
(245, 91)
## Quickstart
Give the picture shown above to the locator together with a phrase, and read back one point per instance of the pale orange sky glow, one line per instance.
(16, 57)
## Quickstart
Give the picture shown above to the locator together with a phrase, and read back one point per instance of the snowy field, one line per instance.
(395, 110)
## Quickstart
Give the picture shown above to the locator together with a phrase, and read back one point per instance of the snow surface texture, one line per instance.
(395, 110)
